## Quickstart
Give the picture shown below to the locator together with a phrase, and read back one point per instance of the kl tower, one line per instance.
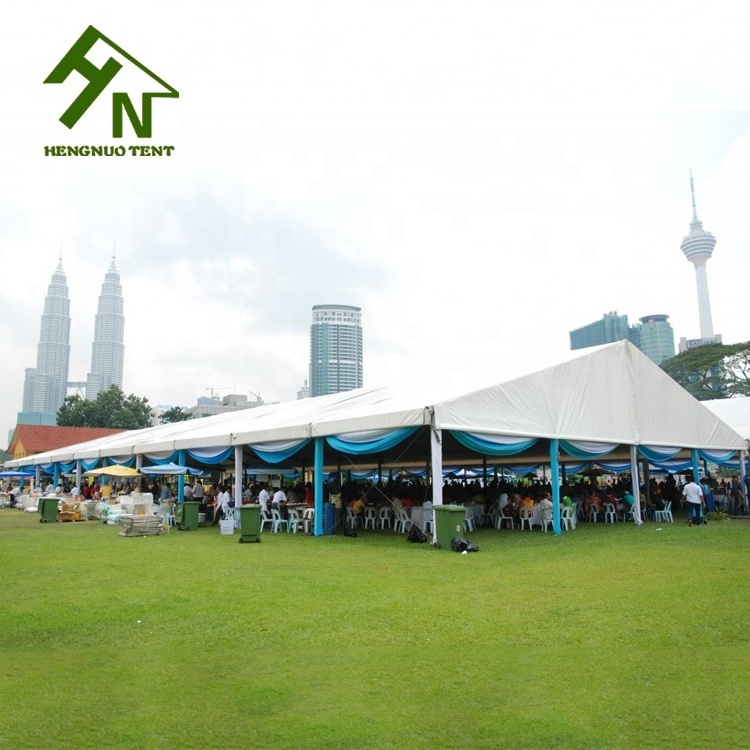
(698, 247)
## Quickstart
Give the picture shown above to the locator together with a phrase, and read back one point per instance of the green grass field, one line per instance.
(605, 637)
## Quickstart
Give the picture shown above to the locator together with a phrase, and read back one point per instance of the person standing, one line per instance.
(735, 495)
(263, 498)
(222, 504)
(198, 493)
(693, 495)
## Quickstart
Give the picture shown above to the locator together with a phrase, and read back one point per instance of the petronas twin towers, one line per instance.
(46, 385)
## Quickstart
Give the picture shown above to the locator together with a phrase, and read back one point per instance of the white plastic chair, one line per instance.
(568, 518)
(610, 513)
(308, 518)
(402, 522)
(545, 517)
(469, 519)
(428, 520)
(167, 516)
(277, 521)
(384, 518)
(593, 512)
(295, 520)
(503, 519)
(370, 517)
(352, 518)
(265, 519)
(525, 515)
(665, 514)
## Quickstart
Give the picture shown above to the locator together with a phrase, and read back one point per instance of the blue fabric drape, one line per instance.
(493, 445)
(210, 456)
(571, 468)
(672, 466)
(277, 451)
(718, 457)
(655, 453)
(161, 458)
(522, 469)
(89, 465)
(619, 467)
(369, 441)
(586, 449)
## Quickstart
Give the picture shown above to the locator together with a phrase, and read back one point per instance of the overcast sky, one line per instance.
(479, 177)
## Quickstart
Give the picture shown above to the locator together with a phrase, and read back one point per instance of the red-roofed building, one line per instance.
(29, 439)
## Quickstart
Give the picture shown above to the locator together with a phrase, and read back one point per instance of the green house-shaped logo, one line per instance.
(99, 78)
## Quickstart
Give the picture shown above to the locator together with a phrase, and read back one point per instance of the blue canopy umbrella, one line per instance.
(164, 469)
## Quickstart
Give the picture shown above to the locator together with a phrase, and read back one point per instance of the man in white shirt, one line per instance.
(198, 491)
(279, 498)
(222, 504)
(263, 498)
(693, 495)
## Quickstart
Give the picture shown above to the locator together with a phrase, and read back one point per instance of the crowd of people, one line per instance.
(497, 495)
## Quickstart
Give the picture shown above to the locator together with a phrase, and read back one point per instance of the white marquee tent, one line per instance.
(734, 411)
(609, 401)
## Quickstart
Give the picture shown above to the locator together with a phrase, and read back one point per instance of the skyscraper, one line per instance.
(698, 247)
(108, 349)
(45, 386)
(656, 338)
(335, 349)
(612, 327)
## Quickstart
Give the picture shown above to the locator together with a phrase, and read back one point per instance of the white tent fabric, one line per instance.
(611, 394)
(734, 411)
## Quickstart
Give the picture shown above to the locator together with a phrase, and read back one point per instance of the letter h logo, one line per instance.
(99, 78)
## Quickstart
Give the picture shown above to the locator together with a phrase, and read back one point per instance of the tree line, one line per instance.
(112, 408)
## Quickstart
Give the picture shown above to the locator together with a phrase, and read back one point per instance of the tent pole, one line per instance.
(436, 452)
(181, 478)
(635, 487)
(318, 487)
(78, 474)
(237, 478)
(743, 474)
(695, 467)
(646, 484)
(554, 468)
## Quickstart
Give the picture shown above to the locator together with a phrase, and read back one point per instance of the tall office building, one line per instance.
(656, 339)
(108, 349)
(45, 386)
(335, 349)
(653, 335)
(612, 327)
(698, 247)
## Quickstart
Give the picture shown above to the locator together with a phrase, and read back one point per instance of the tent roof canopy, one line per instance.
(612, 394)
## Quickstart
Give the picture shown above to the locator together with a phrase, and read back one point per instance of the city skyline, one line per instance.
(46, 385)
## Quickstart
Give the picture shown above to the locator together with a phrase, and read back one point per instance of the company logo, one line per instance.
(98, 80)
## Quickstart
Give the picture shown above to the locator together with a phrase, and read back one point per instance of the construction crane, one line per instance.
(258, 397)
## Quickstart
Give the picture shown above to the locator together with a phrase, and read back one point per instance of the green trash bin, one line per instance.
(249, 523)
(47, 507)
(189, 516)
(449, 522)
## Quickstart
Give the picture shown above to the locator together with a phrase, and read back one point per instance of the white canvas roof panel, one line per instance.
(611, 394)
